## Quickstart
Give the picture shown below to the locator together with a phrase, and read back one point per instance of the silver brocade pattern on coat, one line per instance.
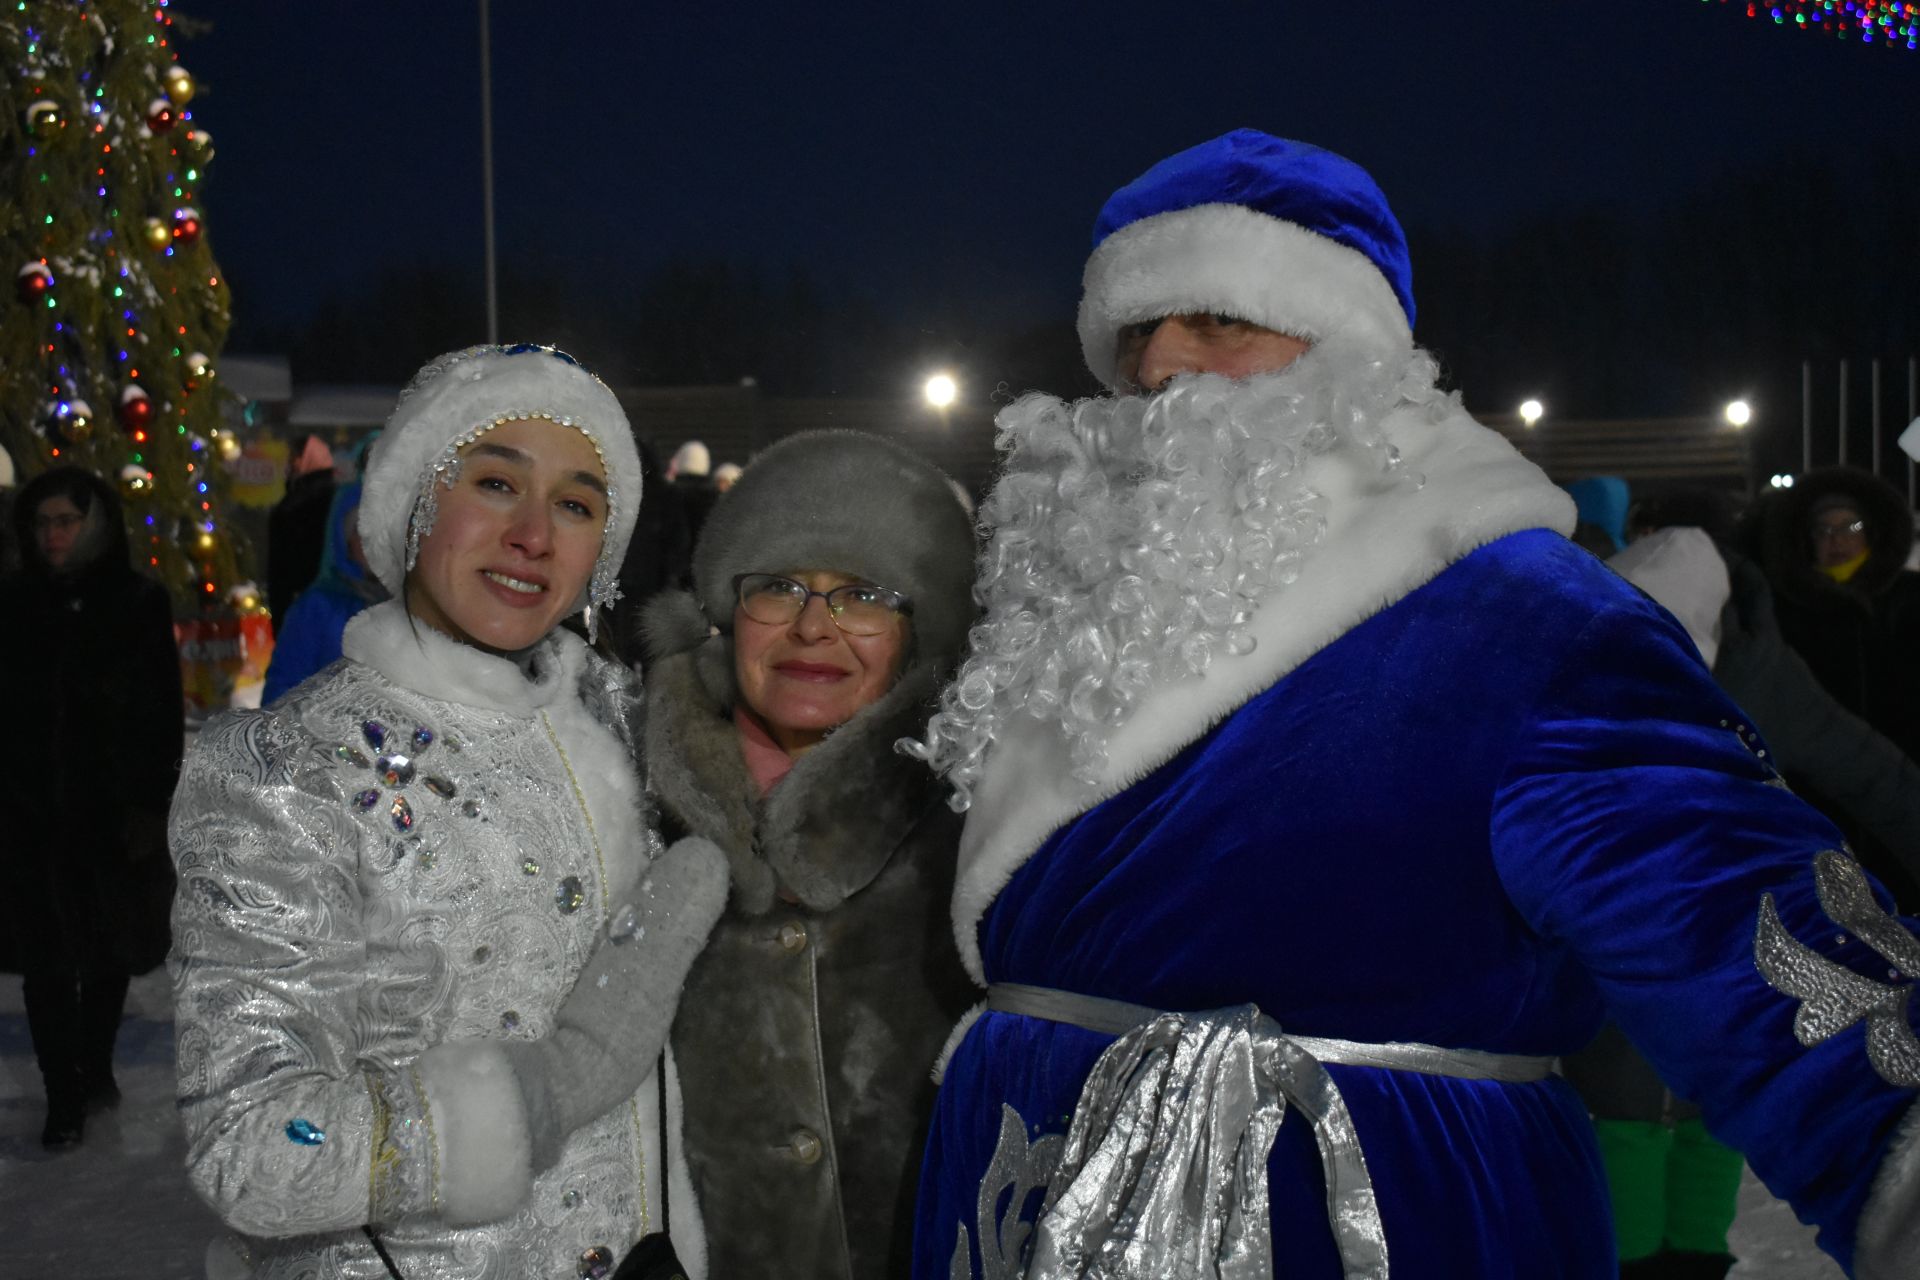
(322, 944)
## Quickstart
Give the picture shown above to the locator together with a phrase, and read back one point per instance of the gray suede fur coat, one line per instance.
(809, 1027)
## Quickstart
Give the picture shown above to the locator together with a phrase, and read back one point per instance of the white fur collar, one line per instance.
(415, 656)
(1383, 540)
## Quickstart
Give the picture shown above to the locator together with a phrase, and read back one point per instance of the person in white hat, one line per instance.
(1315, 776)
(427, 944)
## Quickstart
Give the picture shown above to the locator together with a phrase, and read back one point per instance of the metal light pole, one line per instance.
(1806, 416)
(486, 167)
(1843, 413)
(1876, 415)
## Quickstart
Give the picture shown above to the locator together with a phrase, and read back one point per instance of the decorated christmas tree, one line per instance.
(109, 346)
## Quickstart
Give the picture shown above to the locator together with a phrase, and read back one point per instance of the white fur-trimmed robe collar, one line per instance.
(551, 683)
(415, 656)
(1383, 540)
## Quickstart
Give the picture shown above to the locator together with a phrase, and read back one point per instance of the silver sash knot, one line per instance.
(1164, 1168)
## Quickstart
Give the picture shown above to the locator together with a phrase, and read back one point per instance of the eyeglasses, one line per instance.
(57, 524)
(856, 608)
(1833, 532)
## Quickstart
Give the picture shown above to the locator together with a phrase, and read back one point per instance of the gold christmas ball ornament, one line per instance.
(135, 480)
(199, 370)
(159, 235)
(79, 422)
(44, 119)
(227, 444)
(179, 85)
(200, 142)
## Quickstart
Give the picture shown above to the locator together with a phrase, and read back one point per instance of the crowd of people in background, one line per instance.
(581, 891)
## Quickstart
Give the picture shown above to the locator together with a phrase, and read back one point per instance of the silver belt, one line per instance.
(1117, 1017)
(1149, 1187)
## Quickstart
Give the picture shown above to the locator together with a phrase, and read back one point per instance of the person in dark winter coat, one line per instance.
(831, 599)
(658, 557)
(690, 474)
(308, 638)
(1834, 549)
(94, 679)
(297, 525)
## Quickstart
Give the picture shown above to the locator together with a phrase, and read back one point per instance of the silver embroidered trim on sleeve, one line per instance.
(1834, 997)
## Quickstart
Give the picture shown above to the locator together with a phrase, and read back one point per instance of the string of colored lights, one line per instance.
(1888, 23)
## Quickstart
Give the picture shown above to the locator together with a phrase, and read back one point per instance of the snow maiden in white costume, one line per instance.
(425, 954)
(1322, 794)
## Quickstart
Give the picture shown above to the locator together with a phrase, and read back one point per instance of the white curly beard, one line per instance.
(1133, 538)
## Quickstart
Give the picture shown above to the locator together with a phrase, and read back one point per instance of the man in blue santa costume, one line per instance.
(1322, 793)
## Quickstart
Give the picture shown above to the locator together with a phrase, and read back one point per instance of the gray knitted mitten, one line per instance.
(610, 1030)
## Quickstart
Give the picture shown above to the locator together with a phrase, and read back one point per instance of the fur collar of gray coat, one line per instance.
(830, 825)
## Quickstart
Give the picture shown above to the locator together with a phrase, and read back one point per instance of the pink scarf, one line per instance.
(766, 762)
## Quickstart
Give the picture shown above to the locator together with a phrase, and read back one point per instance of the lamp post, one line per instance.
(1531, 411)
(1738, 413)
(486, 168)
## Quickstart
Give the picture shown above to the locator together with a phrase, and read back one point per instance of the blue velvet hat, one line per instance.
(1277, 232)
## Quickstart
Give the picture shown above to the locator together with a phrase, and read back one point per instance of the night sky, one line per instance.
(948, 161)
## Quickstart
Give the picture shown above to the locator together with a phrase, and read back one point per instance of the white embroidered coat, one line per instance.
(417, 845)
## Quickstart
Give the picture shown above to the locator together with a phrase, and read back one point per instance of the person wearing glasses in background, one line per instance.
(1834, 548)
(831, 598)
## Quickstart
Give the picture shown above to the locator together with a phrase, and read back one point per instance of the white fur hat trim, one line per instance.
(461, 396)
(1230, 259)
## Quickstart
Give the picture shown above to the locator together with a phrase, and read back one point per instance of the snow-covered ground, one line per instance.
(119, 1208)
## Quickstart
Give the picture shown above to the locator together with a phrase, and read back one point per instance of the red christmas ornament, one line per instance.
(160, 115)
(186, 225)
(136, 410)
(33, 281)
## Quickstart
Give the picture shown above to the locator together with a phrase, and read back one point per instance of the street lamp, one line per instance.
(941, 390)
(1738, 413)
(1531, 411)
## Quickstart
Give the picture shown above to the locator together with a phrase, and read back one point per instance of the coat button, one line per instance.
(804, 1145)
(793, 937)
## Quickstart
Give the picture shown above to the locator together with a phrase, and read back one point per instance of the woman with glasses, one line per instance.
(427, 944)
(831, 598)
(1835, 549)
(94, 692)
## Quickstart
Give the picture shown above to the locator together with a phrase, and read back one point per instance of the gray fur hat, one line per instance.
(841, 501)
(851, 503)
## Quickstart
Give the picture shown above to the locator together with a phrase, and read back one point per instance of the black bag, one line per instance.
(652, 1256)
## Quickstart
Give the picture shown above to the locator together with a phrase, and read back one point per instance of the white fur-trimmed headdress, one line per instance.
(459, 397)
(1286, 235)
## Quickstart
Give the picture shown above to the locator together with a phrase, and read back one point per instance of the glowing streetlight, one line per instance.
(941, 390)
(1531, 411)
(1738, 413)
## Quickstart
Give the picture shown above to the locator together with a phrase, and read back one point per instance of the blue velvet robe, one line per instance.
(1505, 807)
